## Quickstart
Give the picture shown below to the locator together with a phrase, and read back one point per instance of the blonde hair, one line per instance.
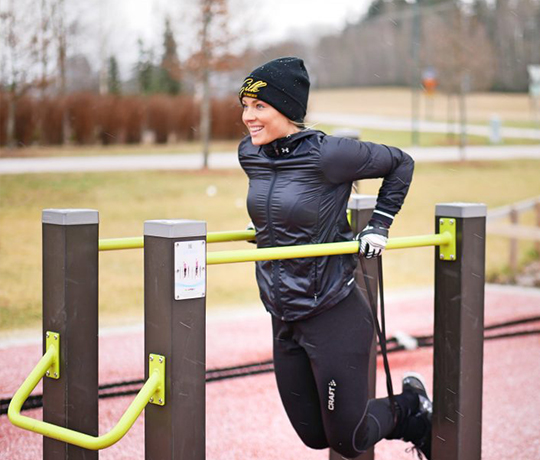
(302, 126)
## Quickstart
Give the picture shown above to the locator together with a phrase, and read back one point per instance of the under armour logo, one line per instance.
(285, 150)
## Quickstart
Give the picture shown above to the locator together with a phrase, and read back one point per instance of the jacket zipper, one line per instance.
(275, 267)
(316, 282)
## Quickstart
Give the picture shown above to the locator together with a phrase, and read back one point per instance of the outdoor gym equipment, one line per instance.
(175, 260)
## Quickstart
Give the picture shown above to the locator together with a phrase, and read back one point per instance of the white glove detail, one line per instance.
(372, 241)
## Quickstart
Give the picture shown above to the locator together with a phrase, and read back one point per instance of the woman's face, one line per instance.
(265, 123)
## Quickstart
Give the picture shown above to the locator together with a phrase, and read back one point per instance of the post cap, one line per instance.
(177, 228)
(70, 216)
(463, 210)
(359, 202)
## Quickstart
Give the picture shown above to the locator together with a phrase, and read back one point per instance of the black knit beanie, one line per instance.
(283, 83)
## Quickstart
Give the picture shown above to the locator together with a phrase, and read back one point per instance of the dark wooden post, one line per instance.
(70, 307)
(361, 207)
(459, 335)
(174, 320)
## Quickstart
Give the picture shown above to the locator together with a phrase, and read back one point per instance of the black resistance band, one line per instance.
(381, 328)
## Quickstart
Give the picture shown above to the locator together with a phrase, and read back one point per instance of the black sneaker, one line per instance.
(419, 423)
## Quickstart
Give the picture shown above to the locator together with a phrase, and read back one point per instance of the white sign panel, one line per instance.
(534, 80)
(189, 269)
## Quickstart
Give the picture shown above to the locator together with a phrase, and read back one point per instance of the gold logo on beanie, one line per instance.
(250, 87)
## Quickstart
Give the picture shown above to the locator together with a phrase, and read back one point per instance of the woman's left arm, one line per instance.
(347, 160)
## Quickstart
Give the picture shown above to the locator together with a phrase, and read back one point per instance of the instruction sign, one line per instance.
(189, 269)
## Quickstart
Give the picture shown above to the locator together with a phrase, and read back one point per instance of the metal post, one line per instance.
(174, 320)
(70, 307)
(459, 334)
(361, 207)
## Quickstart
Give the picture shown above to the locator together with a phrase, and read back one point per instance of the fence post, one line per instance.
(361, 208)
(70, 307)
(174, 321)
(514, 248)
(537, 216)
(459, 336)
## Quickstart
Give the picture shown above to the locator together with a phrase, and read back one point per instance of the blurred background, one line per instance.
(149, 77)
(143, 71)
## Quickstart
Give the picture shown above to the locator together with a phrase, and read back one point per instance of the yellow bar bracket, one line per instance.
(447, 251)
(152, 389)
(52, 340)
(157, 363)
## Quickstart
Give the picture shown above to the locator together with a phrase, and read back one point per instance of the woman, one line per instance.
(299, 184)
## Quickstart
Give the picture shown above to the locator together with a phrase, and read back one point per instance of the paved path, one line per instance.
(228, 160)
(404, 124)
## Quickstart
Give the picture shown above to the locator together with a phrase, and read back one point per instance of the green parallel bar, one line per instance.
(316, 250)
(65, 434)
(137, 242)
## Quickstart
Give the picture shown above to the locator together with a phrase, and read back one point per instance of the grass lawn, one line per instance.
(126, 200)
(400, 139)
(397, 102)
(403, 139)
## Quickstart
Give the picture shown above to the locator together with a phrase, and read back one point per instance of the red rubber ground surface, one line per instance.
(245, 419)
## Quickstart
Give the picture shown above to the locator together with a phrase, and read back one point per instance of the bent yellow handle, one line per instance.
(127, 420)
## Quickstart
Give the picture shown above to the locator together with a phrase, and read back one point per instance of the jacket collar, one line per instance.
(286, 145)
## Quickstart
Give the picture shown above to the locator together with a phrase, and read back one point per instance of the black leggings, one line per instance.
(321, 365)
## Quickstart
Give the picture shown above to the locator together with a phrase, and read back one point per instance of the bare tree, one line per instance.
(213, 55)
(19, 42)
(460, 49)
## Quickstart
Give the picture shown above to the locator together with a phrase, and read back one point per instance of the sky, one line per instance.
(267, 20)
(277, 16)
(283, 16)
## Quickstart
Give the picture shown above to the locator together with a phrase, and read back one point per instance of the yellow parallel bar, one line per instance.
(113, 244)
(137, 242)
(65, 434)
(316, 250)
(222, 237)
(242, 235)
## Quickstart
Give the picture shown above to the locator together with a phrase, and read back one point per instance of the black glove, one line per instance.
(250, 226)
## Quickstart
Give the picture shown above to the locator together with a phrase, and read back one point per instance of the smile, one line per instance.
(255, 129)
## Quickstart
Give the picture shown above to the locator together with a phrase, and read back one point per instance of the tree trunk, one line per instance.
(10, 131)
(206, 118)
(205, 105)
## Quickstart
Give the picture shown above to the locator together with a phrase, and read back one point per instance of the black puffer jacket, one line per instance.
(299, 187)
